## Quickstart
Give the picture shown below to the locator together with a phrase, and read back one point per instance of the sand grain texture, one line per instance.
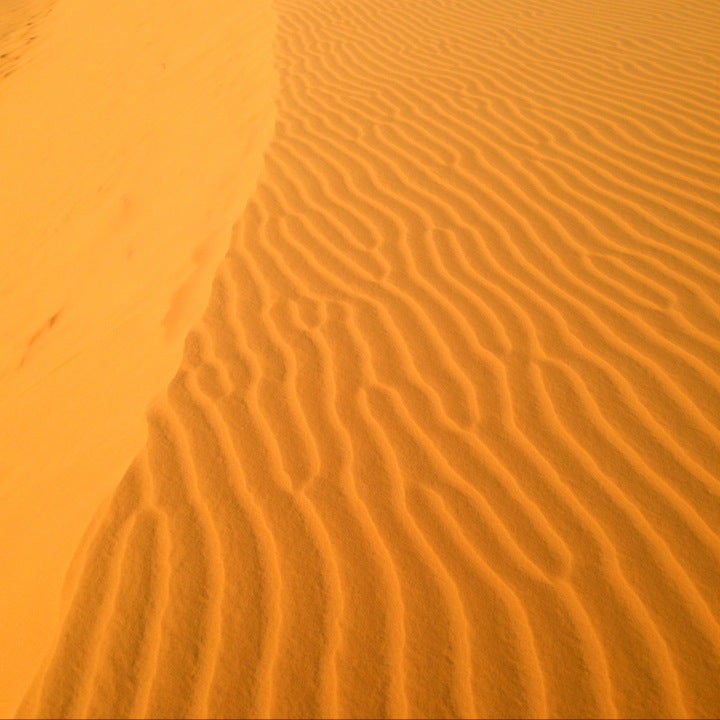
(19, 23)
(445, 441)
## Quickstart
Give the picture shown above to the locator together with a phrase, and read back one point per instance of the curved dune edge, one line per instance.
(131, 136)
(445, 442)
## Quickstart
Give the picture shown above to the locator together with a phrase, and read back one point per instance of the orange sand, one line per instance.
(444, 439)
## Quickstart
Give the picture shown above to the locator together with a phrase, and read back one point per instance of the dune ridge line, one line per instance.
(131, 136)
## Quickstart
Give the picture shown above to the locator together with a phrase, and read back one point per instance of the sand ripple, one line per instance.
(446, 441)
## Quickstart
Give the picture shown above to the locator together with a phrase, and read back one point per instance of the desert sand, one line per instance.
(360, 358)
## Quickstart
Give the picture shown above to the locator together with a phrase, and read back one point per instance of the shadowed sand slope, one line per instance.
(446, 440)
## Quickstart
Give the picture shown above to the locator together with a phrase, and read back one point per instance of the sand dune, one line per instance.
(130, 140)
(445, 441)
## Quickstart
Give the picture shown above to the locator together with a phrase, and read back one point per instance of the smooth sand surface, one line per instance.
(115, 211)
(446, 439)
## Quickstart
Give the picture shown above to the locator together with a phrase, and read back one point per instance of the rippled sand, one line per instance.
(444, 438)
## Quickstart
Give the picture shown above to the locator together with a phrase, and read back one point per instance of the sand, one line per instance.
(361, 358)
(116, 212)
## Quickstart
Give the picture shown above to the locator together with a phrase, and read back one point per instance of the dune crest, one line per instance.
(131, 135)
(445, 442)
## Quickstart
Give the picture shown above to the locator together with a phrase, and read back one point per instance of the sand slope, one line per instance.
(19, 22)
(446, 439)
(130, 139)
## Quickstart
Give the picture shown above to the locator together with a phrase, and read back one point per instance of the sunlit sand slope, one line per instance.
(446, 440)
(131, 136)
